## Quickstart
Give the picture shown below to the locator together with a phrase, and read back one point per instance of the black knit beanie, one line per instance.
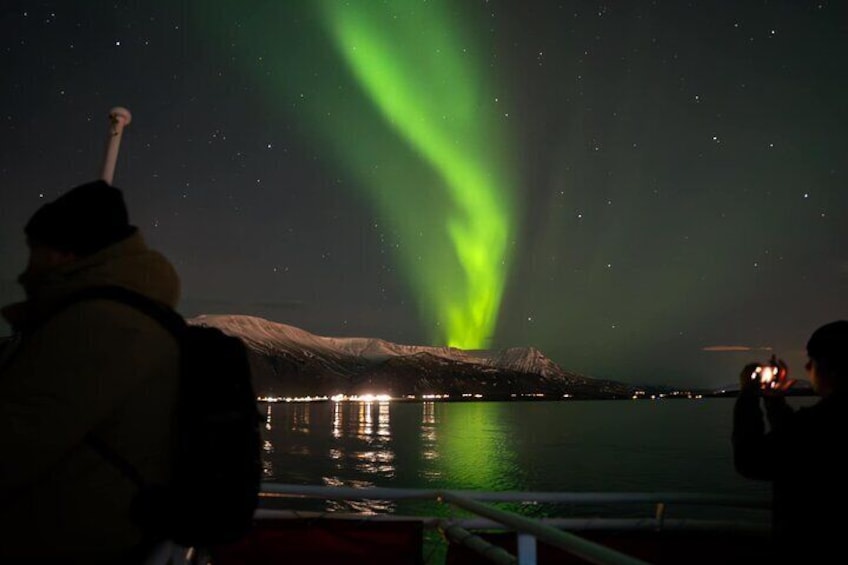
(83, 221)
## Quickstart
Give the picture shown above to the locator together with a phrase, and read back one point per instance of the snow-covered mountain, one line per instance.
(289, 361)
(268, 336)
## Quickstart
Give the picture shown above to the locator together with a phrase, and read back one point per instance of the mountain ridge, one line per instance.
(290, 361)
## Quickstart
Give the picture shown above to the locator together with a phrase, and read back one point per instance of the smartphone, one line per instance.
(767, 373)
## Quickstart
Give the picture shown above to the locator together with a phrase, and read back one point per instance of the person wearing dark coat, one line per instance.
(803, 452)
(92, 368)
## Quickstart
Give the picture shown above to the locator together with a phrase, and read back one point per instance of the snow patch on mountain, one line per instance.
(270, 336)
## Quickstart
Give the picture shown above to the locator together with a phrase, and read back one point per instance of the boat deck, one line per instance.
(475, 530)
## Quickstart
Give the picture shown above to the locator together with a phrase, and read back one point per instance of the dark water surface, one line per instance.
(622, 445)
(585, 446)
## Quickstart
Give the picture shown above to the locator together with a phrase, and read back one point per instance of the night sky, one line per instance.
(626, 186)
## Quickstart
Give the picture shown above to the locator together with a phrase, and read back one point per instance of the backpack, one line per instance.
(217, 461)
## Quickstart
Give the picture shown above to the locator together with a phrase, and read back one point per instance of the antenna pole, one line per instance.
(118, 118)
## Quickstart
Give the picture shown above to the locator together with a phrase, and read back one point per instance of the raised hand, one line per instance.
(749, 378)
(780, 382)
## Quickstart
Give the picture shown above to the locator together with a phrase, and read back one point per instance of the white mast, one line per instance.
(118, 118)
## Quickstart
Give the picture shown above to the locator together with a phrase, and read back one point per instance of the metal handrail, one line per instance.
(583, 548)
(572, 524)
(490, 551)
(544, 529)
(383, 493)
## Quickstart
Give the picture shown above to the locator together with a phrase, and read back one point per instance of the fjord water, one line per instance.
(597, 446)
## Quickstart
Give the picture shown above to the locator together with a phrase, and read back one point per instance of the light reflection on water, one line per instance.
(602, 446)
(267, 448)
(429, 437)
(337, 420)
(355, 439)
(392, 444)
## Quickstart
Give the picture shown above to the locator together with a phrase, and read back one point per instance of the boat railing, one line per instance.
(557, 532)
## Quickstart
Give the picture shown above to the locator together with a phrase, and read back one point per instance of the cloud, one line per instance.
(725, 348)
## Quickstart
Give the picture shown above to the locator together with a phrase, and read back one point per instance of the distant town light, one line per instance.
(362, 398)
(291, 398)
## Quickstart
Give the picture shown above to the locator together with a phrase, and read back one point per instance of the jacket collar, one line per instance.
(47, 291)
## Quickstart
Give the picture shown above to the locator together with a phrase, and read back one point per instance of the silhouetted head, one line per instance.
(828, 353)
(82, 221)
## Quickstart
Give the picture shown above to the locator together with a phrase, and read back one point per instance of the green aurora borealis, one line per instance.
(617, 187)
(405, 102)
(410, 68)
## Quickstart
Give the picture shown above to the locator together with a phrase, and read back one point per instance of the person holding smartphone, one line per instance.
(803, 451)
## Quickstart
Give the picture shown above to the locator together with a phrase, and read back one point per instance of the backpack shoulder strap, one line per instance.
(166, 316)
(121, 463)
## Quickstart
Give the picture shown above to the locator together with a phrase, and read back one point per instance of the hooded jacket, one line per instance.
(93, 367)
(802, 455)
